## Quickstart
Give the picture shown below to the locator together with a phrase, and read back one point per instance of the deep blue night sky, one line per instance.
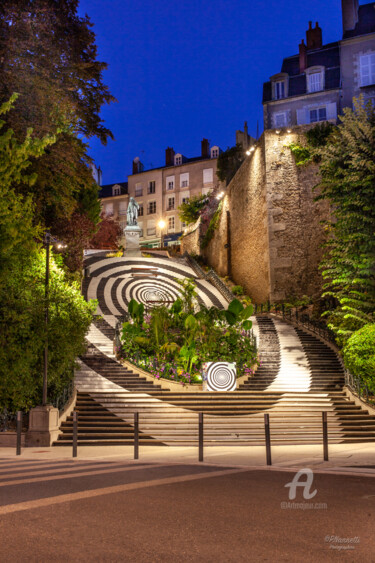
(190, 69)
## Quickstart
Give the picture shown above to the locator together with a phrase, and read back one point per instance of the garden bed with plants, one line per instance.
(175, 343)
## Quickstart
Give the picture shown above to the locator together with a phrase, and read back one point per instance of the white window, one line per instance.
(140, 210)
(151, 228)
(208, 176)
(367, 69)
(109, 209)
(151, 187)
(279, 90)
(170, 204)
(122, 208)
(138, 190)
(178, 159)
(184, 180)
(280, 119)
(315, 82)
(170, 182)
(116, 190)
(185, 199)
(318, 114)
(151, 208)
(170, 224)
(215, 152)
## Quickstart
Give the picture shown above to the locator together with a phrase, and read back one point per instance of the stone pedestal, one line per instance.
(43, 426)
(132, 234)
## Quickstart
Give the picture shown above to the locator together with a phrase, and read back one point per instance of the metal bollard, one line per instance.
(75, 433)
(325, 436)
(19, 432)
(200, 436)
(268, 438)
(136, 435)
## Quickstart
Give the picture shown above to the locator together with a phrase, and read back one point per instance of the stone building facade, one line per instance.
(269, 236)
(161, 191)
(317, 83)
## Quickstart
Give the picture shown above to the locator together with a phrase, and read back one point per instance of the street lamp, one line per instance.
(48, 239)
(161, 226)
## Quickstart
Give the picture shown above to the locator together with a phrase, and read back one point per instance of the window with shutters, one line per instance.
(170, 204)
(171, 224)
(279, 90)
(184, 180)
(151, 207)
(108, 209)
(367, 69)
(170, 183)
(315, 82)
(138, 190)
(318, 114)
(280, 119)
(208, 176)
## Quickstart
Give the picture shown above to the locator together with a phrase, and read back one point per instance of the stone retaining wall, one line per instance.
(269, 235)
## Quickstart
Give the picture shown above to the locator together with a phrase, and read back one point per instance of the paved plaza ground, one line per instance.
(103, 506)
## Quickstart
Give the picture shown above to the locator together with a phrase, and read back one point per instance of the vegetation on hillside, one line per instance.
(175, 343)
(22, 273)
(189, 211)
(348, 182)
(229, 162)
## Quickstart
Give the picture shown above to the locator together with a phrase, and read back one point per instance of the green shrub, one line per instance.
(359, 355)
(237, 290)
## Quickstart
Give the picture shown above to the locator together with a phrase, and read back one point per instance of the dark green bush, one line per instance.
(237, 290)
(359, 355)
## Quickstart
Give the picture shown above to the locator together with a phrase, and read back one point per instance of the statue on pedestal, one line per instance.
(132, 212)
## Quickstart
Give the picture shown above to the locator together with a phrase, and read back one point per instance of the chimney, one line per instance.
(314, 37)
(302, 57)
(349, 14)
(205, 148)
(137, 165)
(169, 155)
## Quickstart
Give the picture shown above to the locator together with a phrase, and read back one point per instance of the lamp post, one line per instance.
(161, 226)
(47, 241)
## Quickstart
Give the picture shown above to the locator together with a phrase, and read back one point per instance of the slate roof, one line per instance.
(366, 21)
(106, 190)
(327, 56)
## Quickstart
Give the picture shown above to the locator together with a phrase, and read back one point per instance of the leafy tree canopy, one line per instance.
(229, 162)
(190, 210)
(48, 55)
(348, 183)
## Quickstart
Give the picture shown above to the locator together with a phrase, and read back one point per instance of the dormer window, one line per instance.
(116, 190)
(279, 90)
(279, 86)
(315, 79)
(215, 152)
(178, 159)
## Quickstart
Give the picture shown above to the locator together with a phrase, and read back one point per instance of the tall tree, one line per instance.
(348, 183)
(48, 55)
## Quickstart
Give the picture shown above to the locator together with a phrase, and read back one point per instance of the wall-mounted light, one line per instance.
(288, 130)
(220, 195)
(278, 131)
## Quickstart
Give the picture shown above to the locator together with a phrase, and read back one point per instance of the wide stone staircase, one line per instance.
(299, 377)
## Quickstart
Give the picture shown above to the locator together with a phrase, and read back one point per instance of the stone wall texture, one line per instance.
(274, 233)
